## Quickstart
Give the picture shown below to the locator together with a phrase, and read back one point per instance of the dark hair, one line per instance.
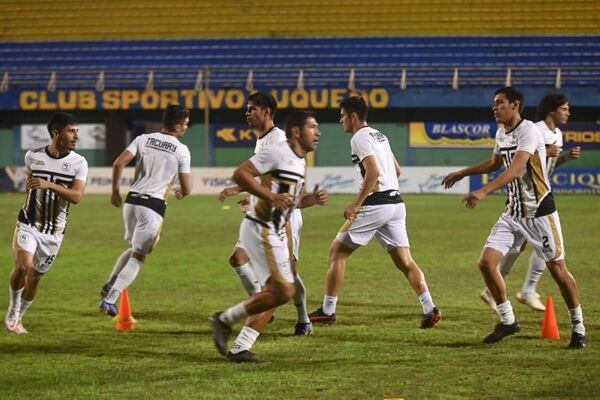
(356, 104)
(174, 114)
(549, 103)
(512, 94)
(265, 100)
(297, 118)
(60, 120)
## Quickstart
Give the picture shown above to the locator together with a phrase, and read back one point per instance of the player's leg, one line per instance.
(505, 266)
(240, 262)
(294, 230)
(23, 264)
(118, 267)
(528, 294)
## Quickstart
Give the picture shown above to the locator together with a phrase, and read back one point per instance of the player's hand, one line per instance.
(38, 183)
(227, 192)
(552, 150)
(321, 196)
(351, 211)
(282, 201)
(450, 179)
(573, 153)
(178, 193)
(115, 199)
(473, 198)
(244, 205)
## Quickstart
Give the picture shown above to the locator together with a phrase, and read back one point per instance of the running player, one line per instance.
(56, 179)
(378, 210)
(160, 158)
(530, 213)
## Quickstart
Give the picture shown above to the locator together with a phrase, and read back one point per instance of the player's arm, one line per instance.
(228, 192)
(397, 166)
(371, 168)
(513, 172)
(571, 154)
(244, 176)
(124, 158)
(490, 165)
(185, 185)
(318, 196)
(72, 194)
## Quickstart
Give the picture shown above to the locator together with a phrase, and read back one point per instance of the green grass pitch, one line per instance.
(375, 351)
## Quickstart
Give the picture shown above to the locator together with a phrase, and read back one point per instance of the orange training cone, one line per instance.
(125, 322)
(550, 327)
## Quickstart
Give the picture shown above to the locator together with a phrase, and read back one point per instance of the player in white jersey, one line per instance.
(553, 111)
(56, 179)
(378, 210)
(160, 159)
(530, 212)
(260, 114)
(281, 169)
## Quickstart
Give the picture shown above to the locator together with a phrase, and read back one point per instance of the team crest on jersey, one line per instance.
(23, 239)
(66, 167)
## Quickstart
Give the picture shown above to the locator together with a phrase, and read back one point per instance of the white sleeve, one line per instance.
(362, 147)
(496, 145)
(28, 161)
(184, 161)
(133, 146)
(265, 160)
(529, 140)
(82, 171)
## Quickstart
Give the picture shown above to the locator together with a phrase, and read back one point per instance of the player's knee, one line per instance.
(485, 265)
(238, 258)
(285, 292)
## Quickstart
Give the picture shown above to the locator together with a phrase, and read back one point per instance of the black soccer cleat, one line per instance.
(245, 356)
(577, 341)
(319, 317)
(105, 289)
(221, 333)
(502, 330)
(431, 318)
(303, 329)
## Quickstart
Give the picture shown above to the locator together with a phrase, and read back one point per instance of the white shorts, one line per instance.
(543, 233)
(386, 221)
(142, 227)
(268, 252)
(43, 246)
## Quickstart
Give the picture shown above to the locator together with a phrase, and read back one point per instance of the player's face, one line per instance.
(561, 114)
(67, 137)
(181, 128)
(256, 116)
(504, 110)
(310, 134)
(346, 121)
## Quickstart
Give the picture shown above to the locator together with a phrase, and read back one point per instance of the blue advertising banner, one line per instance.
(587, 136)
(452, 134)
(563, 180)
(232, 135)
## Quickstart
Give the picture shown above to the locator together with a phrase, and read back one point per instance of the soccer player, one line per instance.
(281, 169)
(260, 114)
(553, 111)
(530, 213)
(160, 158)
(56, 179)
(378, 210)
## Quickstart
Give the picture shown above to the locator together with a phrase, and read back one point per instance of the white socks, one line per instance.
(119, 265)
(537, 265)
(124, 279)
(24, 306)
(234, 314)
(15, 298)
(426, 302)
(245, 340)
(505, 311)
(249, 281)
(576, 316)
(329, 303)
(300, 300)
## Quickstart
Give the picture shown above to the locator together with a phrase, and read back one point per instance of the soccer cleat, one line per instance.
(19, 329)
(319, 317)
(431, 318)
(108, 308)
(221, 332)
(105, 289)
(11, 320)
(303, 329)
(502, 330)
(577, 341)
(532, 300)
(488, 299)
(245, 356)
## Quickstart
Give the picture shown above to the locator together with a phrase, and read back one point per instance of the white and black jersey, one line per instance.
(159, 158)
(366, 142)
(282, 171)
(550, 137)
(273, 136)
(529, 195)
(43, 208)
